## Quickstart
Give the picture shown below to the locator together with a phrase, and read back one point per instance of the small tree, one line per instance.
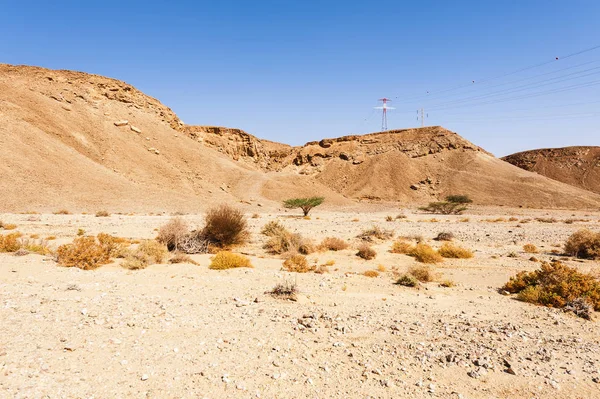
(444, 208)
(306, 204)
(459, 199)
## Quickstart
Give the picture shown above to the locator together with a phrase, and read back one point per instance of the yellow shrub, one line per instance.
(530, 249)
(425, 254)
(136, 260)
(333, 244)
(115, 247)
(452, 251)
(297, 264)
(402, 247)
(366, 252)
(84, 253)
(10, 242)
(228, 260)
(381, 268)
(422, 273)
(155, 250)
(371, 273)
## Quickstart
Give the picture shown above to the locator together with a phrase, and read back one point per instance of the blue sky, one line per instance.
(297, 71)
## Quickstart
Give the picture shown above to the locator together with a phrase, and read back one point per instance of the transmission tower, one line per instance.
(384, 109)
(422, 115)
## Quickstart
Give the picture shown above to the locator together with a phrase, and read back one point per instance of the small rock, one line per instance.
(135, 129)
(121, 123)
(144, 377)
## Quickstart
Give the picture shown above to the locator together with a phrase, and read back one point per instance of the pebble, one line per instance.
(144, 377)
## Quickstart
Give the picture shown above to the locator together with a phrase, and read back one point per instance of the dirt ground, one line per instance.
(184, 331)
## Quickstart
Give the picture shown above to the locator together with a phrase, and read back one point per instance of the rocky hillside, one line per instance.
(85, 142)
(577, 166)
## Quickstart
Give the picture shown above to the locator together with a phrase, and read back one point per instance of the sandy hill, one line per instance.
(577, 166)
(85, 142)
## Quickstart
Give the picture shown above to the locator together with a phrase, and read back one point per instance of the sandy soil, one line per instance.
(184, 331)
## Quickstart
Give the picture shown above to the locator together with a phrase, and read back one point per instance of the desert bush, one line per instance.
(381, 268)
(512, 255)
(102, 214)
(555, 285)
(62, 212)
(375, 232)
(273, 228)
(172, 233)
(225, 226)
(581, 307)
(444, 208)
(287, 290)
(182, 258)
(465, 220)
(459, 199)
(425, 254)
(583, 244)
(38, 246)
(530, 249)
(447, 283)
(9, 226)
(444, 236)
(389, 218)
(84, 253)
(422, 273)
(401, 216)
(21, 252)
(306, 204)
(402, 246)
(407, 280)
(333, 244)
(228, 260)
(298, 264)
(546, 220)
(366, 252)
(115, 247)
(136, 260)
(371, 273)
(255, 216)
(452, 251)
(50, 238)
(80, 232)
(155, 250)
(10, 242)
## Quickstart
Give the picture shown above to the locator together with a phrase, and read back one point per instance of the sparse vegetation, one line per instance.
(402, 246)
(371, 273)
(38, 246)
(115, 247)
(366, 252)
(381, 268)
(273, 228)
(80, 232)
(375, 232)
(62, 212)
(102, 214)
(422, 273)
(297, 264)
(333, 244)
(530, 249)
(9, 226)
(425, 254)
(172, 233)
(447, 283)
(546, 220)
(155, 251)
(306, 204)
(227, 260)
(287, 290)
(10, 242)
(182, 258)
(282, 241)
(555, 285)
(449, 250)
(584, 244)
(459, 199)
(407, 280)
(85, 253)
(136, 260)
(389, 218)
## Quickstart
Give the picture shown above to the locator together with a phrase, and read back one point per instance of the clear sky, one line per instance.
(297, 71)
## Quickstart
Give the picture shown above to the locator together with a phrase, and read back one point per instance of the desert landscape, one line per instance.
(142, 257)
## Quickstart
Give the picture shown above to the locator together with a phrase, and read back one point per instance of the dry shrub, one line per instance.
(371, 273)
(282, 241)
(332, 244)
(228, 260)
(464, 220)
(102, 214)
(297, 264)
(407, 280)
(273, 228)
(444, 236)
(10, 242)
(155, 251)
(381, 268)
(172, 233)
(255, 216)
(182, 258)
(225, 226)
(62, 212)
(401, 216)
(330, 262)
(555, 285)
(530, 249)
(321, 269)
(581, 307)
(136, 260)
(584, 244)
(389, 218)
(80, 232)
(38, 246)
(425, 254)
(546, 220)
(452, 251)
(513, 219)
(375, 232)
(85, 253)
(447, 283)
(444, 208)
(115, 247)
(9, 226)
(422, 273)
(402, 247)
(366, 252)
(287, 290)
